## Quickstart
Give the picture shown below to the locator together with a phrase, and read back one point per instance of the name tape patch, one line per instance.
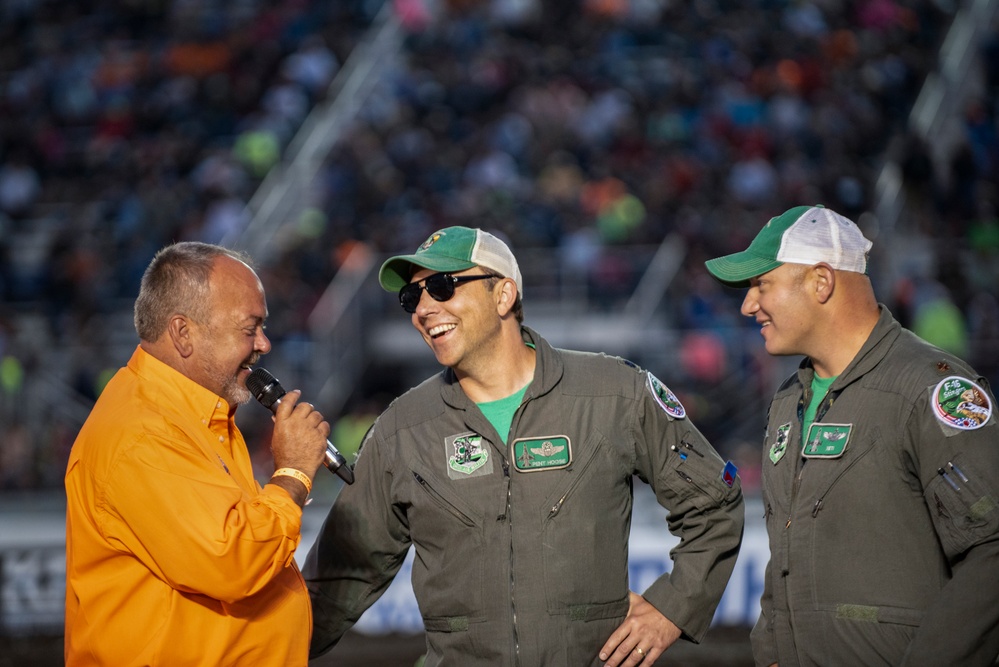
(550, 452)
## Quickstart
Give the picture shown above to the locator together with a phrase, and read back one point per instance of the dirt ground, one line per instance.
(722, 647)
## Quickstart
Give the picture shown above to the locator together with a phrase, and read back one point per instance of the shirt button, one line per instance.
(221, 439)
(219, 404)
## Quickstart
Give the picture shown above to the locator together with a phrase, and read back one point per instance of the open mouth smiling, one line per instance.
(440, 330)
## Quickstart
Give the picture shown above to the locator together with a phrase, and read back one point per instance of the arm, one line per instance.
(708, 516)
(704, 511)
(299, 443)
(359, 550)
(961, 626)
(197, 524)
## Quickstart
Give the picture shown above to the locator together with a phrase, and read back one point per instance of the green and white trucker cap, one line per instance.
(802, 235)
(452, 249)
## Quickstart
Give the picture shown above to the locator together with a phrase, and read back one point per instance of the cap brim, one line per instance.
(395, 272)
(737, 269)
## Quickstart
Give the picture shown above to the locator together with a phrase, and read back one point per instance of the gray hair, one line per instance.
(177, 280)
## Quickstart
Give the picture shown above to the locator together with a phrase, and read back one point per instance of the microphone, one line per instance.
(266, 389)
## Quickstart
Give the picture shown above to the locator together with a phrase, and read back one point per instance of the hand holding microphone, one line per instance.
(266, 389)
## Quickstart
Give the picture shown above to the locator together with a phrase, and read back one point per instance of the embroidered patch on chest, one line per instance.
(467, 454)
(666, 399)
(959, 402)
(551, 452)
(780, 445)
(826, 441)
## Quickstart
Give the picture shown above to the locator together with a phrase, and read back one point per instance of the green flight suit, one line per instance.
(522, 549)
(883, 526)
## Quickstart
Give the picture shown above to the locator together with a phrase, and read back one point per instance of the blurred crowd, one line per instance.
(574, 126)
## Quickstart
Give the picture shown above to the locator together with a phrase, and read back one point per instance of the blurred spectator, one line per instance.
(19, 186)
(582, 127)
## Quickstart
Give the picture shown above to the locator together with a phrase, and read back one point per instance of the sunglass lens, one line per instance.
(440, 287)
(409, 297)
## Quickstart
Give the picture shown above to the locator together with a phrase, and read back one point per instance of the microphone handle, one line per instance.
(335, 462)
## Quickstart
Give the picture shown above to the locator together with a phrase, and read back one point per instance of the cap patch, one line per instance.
(666, 399)
(959, 402)
(434, 238)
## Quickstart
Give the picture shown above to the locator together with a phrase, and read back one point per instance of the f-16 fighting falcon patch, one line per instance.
(959, 402)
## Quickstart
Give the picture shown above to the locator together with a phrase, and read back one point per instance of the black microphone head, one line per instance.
(264, 387)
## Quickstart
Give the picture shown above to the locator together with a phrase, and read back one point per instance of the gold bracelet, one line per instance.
(297, 474)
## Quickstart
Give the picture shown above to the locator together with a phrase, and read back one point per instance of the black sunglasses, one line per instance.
(439, 286)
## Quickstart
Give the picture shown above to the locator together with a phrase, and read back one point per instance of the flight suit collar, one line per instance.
(548, 371)
(878, 344)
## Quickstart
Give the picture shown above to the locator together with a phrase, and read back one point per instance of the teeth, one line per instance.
(439, 329)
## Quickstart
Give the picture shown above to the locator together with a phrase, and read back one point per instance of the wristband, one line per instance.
(297, 474)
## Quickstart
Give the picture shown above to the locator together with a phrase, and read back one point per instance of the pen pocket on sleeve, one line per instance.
(962, 510)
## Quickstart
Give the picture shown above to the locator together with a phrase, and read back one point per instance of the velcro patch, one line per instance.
(666, 399)
(550, 452)
(729, 472)
(959, 402)
(826, 441)
(467, 456)
(780, 445)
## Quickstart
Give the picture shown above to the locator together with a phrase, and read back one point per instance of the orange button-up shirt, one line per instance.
(174, 553)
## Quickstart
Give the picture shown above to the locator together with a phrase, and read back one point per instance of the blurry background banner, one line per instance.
(614, 145)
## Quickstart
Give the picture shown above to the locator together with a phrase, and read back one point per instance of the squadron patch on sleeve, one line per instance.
(666, 399)
(960, 403)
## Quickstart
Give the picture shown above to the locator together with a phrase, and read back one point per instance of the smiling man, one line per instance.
(880, 466)
(174, 553)
(511, 473)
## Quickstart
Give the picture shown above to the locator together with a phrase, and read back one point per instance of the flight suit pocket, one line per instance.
(699, 478)
(450, 505)
(448, 536)
(963, 511)
(584, 532)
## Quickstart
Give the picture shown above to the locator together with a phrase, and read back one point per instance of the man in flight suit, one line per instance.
(880, 466)
(511, 472)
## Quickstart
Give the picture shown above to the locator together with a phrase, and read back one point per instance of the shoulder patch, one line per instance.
(958, 402)
(666, 399)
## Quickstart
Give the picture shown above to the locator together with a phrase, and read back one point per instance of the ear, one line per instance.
(825, 281)
(180, 332)
(506, 296)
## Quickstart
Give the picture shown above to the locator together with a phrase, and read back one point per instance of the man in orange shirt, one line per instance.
(174, 553)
